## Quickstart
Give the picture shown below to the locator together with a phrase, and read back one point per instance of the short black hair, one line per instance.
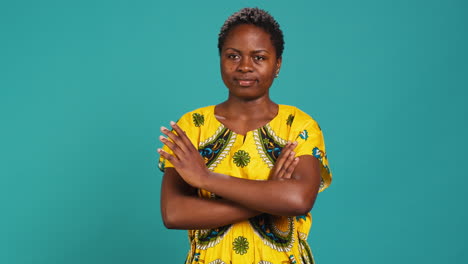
(256, 17)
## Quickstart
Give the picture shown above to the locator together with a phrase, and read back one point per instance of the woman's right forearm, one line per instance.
(181, 208)
(191, 212)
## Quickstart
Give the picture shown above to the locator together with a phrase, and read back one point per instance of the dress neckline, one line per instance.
(280, 110)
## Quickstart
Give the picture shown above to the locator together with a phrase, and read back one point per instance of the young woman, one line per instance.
(243, 175)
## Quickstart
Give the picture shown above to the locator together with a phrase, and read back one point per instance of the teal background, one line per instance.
(85, 86)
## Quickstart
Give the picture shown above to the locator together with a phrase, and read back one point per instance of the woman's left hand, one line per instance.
(186, 159)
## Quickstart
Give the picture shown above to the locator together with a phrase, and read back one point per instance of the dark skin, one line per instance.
(248, 67)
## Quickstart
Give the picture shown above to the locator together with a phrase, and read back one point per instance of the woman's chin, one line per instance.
(248, 96)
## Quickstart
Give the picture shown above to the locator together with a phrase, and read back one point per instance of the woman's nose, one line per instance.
(245, 65)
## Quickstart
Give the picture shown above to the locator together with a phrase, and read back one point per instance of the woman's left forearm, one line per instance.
(290, 197)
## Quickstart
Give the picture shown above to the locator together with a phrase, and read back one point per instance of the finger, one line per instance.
(174, 137)
(171, 145)
(287, 163)
(279, 162)
(181, 133)
(287, 169)
(289, 160)
(285, 152)
(174, 160)
(290, 169)
(289, 148)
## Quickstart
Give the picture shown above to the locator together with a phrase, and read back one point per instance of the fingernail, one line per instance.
(161, 138)
(292, 153)
(164, 129)
(295, 142)
(159, 150)
(172, 123)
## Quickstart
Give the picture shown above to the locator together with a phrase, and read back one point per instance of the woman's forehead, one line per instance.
(248, 37)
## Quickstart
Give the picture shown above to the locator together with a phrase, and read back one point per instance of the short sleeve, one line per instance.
(189, 123)
(310, 142)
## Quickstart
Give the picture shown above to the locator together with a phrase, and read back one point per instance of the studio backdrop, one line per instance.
(85, 86)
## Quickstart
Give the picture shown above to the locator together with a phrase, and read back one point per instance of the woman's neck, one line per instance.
(240, 109)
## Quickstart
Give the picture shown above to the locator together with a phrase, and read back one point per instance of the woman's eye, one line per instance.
(259, 58)
(233, 56)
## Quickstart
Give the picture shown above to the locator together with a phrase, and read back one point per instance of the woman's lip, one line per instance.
(246, 82)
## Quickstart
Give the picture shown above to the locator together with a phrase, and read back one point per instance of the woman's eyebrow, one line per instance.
(236, 50)
(253, 52)
(259, 51)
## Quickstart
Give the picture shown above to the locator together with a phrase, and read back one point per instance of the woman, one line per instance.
(243, 175)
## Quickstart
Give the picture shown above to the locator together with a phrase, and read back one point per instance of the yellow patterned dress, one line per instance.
(265, 239)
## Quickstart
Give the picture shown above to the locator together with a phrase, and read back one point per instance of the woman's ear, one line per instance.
(278, 66)
(278, 63)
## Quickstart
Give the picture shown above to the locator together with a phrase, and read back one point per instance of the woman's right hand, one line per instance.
(285, 164)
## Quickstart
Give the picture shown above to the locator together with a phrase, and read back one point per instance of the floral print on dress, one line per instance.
(304, 134)
(241, 158)
(217, 261)
(162, 165)
(240, 245)
(214, 150)
(299, 217)
(321, 156)
(198, 119)
(269, 145)
(279, 240)
(292, 259)
(318, 153)
(290, 120)
(196, 257)
(306, 253)
(211, 237)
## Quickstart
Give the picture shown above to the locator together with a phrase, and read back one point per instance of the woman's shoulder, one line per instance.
(201, 111)
(294, 115)
(198, 116)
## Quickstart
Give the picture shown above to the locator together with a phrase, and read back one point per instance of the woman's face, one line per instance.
(248, 62)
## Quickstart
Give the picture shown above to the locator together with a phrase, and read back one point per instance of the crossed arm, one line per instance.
(291, 189)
